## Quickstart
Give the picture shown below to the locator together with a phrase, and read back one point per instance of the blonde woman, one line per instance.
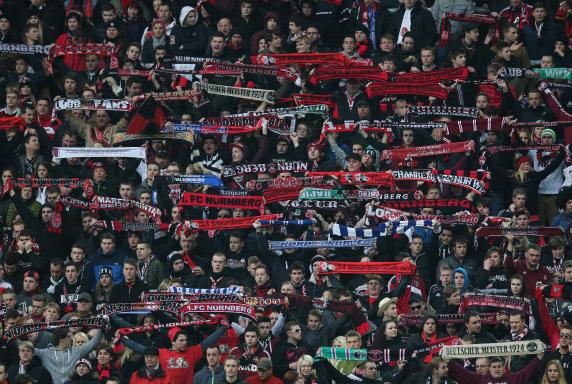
(554, 373)
(80, 339)
(306, 374)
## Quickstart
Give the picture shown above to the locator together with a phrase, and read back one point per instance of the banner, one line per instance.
(321, 194)
(110, 309)
(324, 58)
(274, 245)
(384, 179)
(263, 95)
(181, 324)
(430, 110)
(513, 348)
(527, 231)
(224, 224)
(250, 68)
(35, 182)
(215, 291)
(427, 203)
(85, 152)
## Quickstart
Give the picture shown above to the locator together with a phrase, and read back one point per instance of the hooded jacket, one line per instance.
(189, 39)
(61, 363)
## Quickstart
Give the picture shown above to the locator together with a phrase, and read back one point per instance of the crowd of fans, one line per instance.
(59, 263)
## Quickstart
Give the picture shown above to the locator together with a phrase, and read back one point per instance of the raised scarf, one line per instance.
(396, 214)
(275, 245)
(383, 89)
(35, 182)
(154, 327)
(210, 180)
(271, 121)
(274, 195)
(263, 95)
(215, 291)
(382, 229)
(497, 124)
(506, 148)
(513, 348)
(19, 330)
(9, 122)
(495, 301)
(110, 309)
(472, 180)
(428, 150)
(24, 49)
(447, 318)
(93, 104)
(322, 181)
(384, 179)
(304, 222)
(527, 231)
(338, 59)
(467, 18)
(217, 201)
(321, 194)
(221, 308)
(224, 224)
(131, 226)
(427, 203)
(271, 168)
(85, 49)
(358, 268)
(83, 152)
(251, 68)
(320, 204)
(208, 129)
(432, 110)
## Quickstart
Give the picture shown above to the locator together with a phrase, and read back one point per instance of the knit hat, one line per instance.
(549, 131)
(112, 24)
(173, 333)
(105, 270)
(371, 151)
(521, 160)
(175, 256)
(83, 361)
(428, 316)
(74, 15)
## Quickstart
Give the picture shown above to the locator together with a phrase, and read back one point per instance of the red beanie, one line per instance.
(521, 160)
(173, 332)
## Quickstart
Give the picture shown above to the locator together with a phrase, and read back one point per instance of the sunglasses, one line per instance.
(296, 330)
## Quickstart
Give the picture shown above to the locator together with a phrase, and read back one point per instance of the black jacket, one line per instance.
(422, 25)
(128, 293)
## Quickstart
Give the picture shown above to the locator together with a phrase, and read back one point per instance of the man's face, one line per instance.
(125, 191)
(70, 85)
(133, 53)
(370, 369)
(482, 365)
(565, 337)
(534, 100)
(213, 357)
(143, 252)
(210, 147)
(218, 263)
(459, 61)
(264, 329)
(46, 214)
(482, 102)
(519, 200)
(532, 258)
(546, 62)
(129, 272)
(473, 35)
(180, 343)
(313, 322)
(101, 119)
(77, 255)
(296, 276)
(473, 325)
(353, 342)
(295, 333)
(287, 289)
(9, 300)
(459, 280)
(496, 370)
(55, 271)
(427, 57)
(33, 144)
(24, 241)
(443, 370)
(188, 242)
(165, 13)
(107, 16)
(230, 368)
(217, 45)
(446, 237)
(314, 34)
(69, 141)
(539, 15)
(151, 361)
(71, 274)
(107, 245)
(460, 250)
(224, 25)
(235, 244)
(516, 324)
(547, 139)
(37, 307)
(416, 246)
(245, 9)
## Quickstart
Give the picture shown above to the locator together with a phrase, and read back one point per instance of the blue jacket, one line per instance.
(113, 260)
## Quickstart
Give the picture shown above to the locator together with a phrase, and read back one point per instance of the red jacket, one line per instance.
(160, 377)
(530, 277)
(180, 366)
(256, 380)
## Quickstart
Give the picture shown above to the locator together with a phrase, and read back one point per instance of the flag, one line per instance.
(148, 118)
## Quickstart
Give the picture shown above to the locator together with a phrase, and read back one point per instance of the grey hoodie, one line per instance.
(61, 363)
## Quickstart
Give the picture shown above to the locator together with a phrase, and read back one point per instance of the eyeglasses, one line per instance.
(415, 307)
(296, 330)
(565, 336)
